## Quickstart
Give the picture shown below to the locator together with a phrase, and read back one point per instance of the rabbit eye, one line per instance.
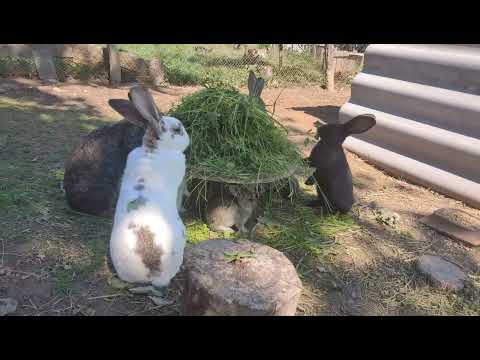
(177, 130)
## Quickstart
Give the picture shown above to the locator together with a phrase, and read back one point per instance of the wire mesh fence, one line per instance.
(229, 63)
(72, 68)
(285, 65)
(17, 66)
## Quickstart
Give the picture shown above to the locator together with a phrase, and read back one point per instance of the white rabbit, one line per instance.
(148, 236)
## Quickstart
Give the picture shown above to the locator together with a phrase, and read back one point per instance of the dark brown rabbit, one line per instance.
(93, 171)
(332, 172)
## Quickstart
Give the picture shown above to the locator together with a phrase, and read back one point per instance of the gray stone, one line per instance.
(142, 290)
(239, 278)
(441, 273)
(8, 306)
(160, 301)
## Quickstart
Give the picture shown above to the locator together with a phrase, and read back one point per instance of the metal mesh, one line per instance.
(71, 68)
(17, 66)
(134, 68)
(185, 65)
(288, 65)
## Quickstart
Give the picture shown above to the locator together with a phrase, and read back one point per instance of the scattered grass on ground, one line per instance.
(35, 139)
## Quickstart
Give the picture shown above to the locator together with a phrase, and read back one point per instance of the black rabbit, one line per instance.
(93, 171)
(332, 172)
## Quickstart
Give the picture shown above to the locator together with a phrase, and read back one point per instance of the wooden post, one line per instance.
(43, 58)
(274, 51)
(280, 55)
(330, 67)
(114, 65)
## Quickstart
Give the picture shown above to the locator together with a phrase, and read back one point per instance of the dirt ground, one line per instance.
(372, 273)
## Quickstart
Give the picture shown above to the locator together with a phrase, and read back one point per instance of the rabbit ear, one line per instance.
(128, 111)
(255, 85)
(144, 103)
(359, 124)
(252, 79)
(259, 87)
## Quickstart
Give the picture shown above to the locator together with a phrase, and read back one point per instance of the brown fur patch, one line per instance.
(150, 139)
(146, 248)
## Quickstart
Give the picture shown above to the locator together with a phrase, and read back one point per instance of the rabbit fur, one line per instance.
(229, 207)
(332, 174)
(148, 236)
(94, 169)
(255, 87)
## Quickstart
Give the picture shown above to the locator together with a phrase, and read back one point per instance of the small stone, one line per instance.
(157, 293)
(321, 269)
(142, 290)
(441, 273)
(8, 306)
(159, 301)
(118, 284)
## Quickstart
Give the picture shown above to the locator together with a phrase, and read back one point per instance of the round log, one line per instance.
(239, 278)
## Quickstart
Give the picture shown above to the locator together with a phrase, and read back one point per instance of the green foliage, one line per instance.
(185, 66)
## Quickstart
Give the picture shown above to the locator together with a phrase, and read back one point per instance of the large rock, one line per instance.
(441, 272)
(239, 278)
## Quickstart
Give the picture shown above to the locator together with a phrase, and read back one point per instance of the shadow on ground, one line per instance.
(327, 114)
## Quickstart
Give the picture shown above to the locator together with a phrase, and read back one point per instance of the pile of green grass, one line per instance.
(234, 139)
